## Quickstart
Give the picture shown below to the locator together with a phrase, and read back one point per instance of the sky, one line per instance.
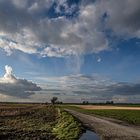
(76, 50)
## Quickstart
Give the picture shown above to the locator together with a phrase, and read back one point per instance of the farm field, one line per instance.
(36, 122)
(130, 115)
(98, 107)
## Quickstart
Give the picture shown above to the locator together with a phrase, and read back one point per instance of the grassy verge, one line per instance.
(67, 128)
(129, 116)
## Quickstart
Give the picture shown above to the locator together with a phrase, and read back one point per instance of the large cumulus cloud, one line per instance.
(12, 86)
(50, 28)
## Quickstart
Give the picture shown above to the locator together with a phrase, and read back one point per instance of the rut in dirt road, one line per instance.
(107, 130)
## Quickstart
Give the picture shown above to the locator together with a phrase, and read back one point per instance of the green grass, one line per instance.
(129, 116)
(128, 105)
(67, 127)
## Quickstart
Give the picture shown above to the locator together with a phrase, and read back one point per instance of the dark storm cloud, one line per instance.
(22, 88)
(122, 17)
(125, 89)
(13, 18)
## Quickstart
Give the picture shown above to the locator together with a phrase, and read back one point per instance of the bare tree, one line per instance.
(54, 100)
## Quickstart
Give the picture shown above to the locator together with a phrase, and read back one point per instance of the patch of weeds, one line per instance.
(67, 128)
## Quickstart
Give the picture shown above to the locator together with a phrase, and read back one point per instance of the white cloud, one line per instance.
(57, 37)
(19, 3)
(8, 77)
(93, 88)
(27, 27)
(78, 87)
(99, 59)
(10, 85)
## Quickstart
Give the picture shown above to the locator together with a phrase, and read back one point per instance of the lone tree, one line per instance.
(54, 100)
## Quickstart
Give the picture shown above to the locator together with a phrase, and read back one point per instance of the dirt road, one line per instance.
(106, 129)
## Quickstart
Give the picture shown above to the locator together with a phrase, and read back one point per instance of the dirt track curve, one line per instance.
(106, 129)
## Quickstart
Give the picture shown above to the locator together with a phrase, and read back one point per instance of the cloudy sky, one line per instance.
(73, 49)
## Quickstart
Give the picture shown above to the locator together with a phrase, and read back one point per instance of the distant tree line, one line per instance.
(85, 103)
(54, 100)
(107, 102)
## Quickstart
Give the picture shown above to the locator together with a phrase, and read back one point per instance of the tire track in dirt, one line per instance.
(106, 129)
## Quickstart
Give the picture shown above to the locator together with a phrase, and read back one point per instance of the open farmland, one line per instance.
(98, 107)
(129, 115)
(36, 122)
(26, 122)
